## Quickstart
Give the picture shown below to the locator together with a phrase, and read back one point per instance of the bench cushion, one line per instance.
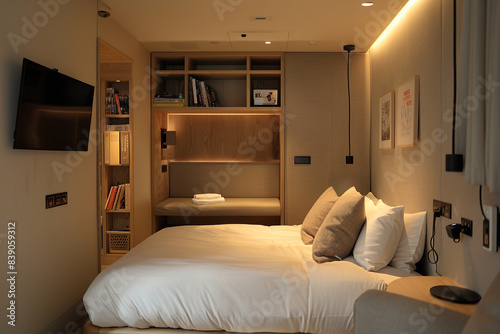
(231, 207)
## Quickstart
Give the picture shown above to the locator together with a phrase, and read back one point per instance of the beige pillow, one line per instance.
(338, 233)
(317, 214)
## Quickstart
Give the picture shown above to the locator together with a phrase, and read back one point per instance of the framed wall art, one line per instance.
(386, 128)
(407, 108)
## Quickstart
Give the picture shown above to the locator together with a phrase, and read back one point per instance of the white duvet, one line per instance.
(238, 278)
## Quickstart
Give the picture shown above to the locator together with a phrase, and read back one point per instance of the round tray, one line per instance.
(455, 294)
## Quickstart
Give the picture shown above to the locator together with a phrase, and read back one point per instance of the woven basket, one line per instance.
(118, 242)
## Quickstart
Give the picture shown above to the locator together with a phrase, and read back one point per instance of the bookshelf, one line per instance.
(116, 154)
(216, 133)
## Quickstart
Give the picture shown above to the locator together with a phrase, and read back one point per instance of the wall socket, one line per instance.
(445, 208)
(466, 226)
(490, 228)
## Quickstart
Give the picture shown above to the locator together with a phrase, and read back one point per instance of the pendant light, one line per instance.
(454, 162)
(349, 159)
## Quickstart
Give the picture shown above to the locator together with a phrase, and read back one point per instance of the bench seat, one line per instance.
(231, 207)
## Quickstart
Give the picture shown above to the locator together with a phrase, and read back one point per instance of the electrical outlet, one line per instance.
(445, 208)
(54, 200)
(466, 226)
(490, 228)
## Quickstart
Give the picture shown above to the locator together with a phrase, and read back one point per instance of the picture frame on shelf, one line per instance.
(407, 111)
(386, 121)
(265, 97)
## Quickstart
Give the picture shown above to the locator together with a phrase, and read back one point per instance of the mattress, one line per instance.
(235, 278)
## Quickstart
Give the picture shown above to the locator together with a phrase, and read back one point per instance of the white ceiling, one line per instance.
(217, 25)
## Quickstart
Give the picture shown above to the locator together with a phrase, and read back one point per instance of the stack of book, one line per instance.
(116, 104)
(201, 94)
(117, 146)
(169, 100)
(119, 197)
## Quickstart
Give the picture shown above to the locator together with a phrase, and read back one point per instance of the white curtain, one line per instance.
(478, 102)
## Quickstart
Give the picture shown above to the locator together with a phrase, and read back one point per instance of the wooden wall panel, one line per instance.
(226, 137)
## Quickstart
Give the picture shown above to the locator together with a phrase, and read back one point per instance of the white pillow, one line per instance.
(379, 238)
(412, 244)
(372, 198)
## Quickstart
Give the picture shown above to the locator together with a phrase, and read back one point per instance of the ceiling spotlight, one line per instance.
(268, 42)
(367, 4)
(103, 10)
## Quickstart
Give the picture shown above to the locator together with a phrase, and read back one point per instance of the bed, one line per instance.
(232, 278)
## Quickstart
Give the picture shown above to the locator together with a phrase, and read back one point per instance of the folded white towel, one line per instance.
(207, 196)
(208, 201)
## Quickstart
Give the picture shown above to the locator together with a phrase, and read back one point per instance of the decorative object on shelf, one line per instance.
(349, 159)
(386, 109)
(265, 97)
(407, 99)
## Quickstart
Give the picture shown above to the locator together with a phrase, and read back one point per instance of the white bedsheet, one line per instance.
(239, 278)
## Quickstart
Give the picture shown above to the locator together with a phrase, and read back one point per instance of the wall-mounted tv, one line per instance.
(54, 110)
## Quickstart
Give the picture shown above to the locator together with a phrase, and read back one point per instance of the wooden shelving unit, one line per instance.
(216, 133)
(117, 225)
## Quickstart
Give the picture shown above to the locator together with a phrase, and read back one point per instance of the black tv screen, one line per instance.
(54, 110)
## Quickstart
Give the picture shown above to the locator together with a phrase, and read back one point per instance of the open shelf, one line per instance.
(234, 131)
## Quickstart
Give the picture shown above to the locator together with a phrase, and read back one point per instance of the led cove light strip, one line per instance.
(395, 21)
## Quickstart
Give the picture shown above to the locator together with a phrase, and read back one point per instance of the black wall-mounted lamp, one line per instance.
(349, 159)
(167, 138)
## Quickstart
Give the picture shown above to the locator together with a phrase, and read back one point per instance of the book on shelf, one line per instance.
(124, 147)
(116, 104)
(169, 100)
(201, 94)
(193, 91)
(117, 148)
(117, 127)
(114, 147)
(117, 99)
(111, 197)
(118, 197)
(107, 145)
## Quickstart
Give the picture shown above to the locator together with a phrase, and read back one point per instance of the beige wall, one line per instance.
(116, 36)
(316, 110)
(56, 249)
(421, 43)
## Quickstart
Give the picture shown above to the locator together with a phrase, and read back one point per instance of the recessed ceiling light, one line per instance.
(367, 4)
(268, 42)
(312, 43)
(117, 80)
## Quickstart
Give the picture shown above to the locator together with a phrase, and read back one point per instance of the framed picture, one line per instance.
(386, 109)
(265, 97)
(407, 98)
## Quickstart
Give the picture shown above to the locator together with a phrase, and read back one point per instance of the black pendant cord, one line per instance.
(481, 201)
(432, 255)
(454, 76)
(349, 98)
